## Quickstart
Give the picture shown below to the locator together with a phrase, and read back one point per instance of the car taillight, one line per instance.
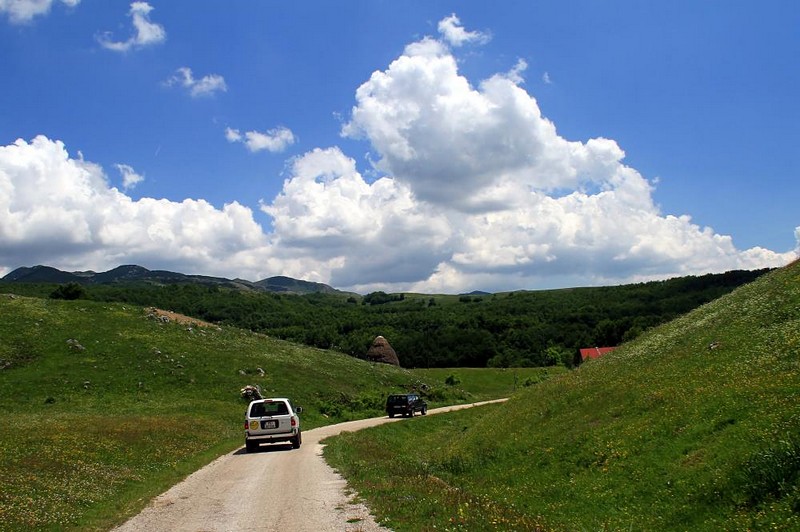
(246, 425)
(294, 422)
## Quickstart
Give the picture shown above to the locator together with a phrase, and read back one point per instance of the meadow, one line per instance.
(695, 425)
(105, 406)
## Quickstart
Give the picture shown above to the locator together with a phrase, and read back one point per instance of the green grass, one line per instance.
(481, 384)
(663, 434)
(104, 407)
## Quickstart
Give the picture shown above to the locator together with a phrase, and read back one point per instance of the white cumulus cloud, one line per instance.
(23, 11)
(61, 211)
(455, 34)
(469, 147)
(274, 141)
(366, 233)
(206, 86)
(527, 206)
(129, 176)
(146, 33)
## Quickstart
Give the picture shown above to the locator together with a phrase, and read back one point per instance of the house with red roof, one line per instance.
(595, 352)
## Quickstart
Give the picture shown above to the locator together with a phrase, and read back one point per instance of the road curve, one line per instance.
(277, 489)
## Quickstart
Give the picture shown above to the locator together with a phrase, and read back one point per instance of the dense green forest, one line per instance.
(525, 328)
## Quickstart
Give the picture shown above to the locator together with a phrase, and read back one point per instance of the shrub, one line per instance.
(452, 380)
(345, 406)
(69, 291)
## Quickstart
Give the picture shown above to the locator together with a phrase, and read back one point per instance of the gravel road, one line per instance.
(277, 489)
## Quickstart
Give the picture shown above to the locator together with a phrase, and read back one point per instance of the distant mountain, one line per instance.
(134, 274)
(287, 284)
(40, 274)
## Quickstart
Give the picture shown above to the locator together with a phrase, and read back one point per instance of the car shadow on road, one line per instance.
(268, 448)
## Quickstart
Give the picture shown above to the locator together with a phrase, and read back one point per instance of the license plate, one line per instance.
(269, 424)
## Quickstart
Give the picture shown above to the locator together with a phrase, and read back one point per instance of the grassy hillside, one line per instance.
(526, 328)
(693, 426)
(105, 405)
(487, 383)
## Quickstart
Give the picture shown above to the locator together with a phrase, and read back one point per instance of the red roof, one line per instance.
(595, 352)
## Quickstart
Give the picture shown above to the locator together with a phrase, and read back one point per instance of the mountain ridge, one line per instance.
(135, 273)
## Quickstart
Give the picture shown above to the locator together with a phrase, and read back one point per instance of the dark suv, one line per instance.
(405, 404)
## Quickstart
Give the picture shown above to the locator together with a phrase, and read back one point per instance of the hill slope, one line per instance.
(693, 426)
(106, 405)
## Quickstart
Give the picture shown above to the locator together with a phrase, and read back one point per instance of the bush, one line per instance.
(345, 406)
(69, 291)
(452, 380)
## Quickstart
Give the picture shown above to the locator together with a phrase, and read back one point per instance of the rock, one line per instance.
(75, 345)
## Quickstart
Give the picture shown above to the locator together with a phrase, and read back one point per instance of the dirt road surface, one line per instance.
(278, 489)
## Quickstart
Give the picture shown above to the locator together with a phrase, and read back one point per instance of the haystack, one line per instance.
(381, 351)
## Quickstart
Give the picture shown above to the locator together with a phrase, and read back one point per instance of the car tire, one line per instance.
(297, 440)
(424, 410)
(411, 413)
(391, 415)
(251, 446)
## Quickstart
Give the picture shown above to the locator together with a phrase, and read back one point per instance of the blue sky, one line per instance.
(433, 146)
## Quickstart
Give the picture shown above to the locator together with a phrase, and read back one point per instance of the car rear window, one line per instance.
(275, 408)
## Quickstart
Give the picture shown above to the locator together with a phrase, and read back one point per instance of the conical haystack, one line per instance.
(381, 351)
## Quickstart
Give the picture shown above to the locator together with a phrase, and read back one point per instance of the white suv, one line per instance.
(271, 421)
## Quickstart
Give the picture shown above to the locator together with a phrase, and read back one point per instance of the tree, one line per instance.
(69, 291)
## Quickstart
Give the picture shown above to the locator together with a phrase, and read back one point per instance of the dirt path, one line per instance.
(277, 489)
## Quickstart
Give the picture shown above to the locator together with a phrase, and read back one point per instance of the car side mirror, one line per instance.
(299, 409)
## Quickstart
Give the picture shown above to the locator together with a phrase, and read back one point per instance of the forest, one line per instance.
(511, 329)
